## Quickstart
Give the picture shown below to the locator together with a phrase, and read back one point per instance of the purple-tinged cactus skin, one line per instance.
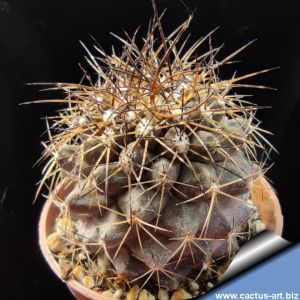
(160, 156)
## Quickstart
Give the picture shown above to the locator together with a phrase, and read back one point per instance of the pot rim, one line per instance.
(84, 293)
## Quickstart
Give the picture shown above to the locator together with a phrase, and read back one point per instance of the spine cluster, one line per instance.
(152, 167)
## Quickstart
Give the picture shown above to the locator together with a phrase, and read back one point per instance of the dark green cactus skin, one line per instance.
(160, 164)
(157, 210)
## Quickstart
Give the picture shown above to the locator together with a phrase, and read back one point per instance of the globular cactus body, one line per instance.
(157, 172)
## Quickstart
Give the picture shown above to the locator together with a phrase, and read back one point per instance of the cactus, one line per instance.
(151, 167)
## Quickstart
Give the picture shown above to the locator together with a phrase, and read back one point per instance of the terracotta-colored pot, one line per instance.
(262, 194)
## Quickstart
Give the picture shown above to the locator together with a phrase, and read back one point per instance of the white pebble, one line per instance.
(163, 294)
(117, 294)
(55, 242)
(88, 282)
(133, 293)
(209, 285)
(145, 295)
(181, 294)
(193, 286)
(259, 226)
(107, 294)
(78, 273)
